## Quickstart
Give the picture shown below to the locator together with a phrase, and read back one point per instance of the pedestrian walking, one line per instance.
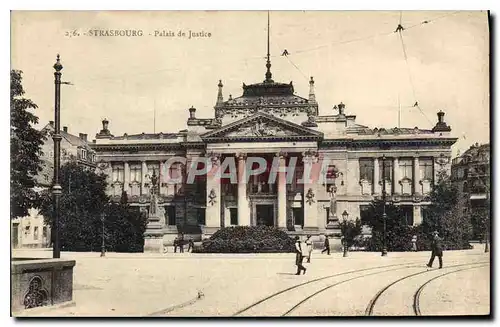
(176, 244)
(327, 245)
(309, 245)
(414, 243)
(190, 245)
(299, 256)
(181, 243)
(437, 250)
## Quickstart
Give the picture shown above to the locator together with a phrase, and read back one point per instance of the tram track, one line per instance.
(373, 301)
(416, 296)
(273, 295)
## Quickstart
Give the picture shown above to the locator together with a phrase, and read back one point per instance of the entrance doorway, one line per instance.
(265, 214)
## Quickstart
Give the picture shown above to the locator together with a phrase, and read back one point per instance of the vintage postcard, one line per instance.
(250, 163)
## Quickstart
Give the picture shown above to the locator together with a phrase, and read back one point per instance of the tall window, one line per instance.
(298, 216)
(407, 212)
(135, 173)
(406, 168)
(35, 233)
(170, 212)
(201, 216)
(388, 168)
(233, 212)
(426, 169)
(118, 173)
(364, 211)
(366, 169)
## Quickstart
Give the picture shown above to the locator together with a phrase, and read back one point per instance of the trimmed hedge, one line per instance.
(248, 239)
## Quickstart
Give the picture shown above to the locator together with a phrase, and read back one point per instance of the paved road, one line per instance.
(265, 285)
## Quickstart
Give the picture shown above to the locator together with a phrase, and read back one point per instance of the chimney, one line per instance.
(51, 123)
(81, 136)
(85, 137)
(65, 129)
(192, 112)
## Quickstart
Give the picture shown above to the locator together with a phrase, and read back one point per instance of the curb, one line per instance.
(40, 310)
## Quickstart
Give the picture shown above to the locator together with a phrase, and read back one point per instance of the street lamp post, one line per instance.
(345, 214)
(384, 215)
(56, 188)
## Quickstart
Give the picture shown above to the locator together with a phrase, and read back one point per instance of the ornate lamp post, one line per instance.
(384, 215)
(345, 215)
(56, 136)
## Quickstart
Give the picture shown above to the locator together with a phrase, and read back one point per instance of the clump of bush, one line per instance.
(248, 239)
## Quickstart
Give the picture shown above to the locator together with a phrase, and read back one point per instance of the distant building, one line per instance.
(31, 231)
(470, 173)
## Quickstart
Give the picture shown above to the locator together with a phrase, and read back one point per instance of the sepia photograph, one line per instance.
(250, 164)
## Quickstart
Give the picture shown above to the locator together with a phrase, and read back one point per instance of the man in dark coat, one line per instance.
(437, 250)
(181, 243)
(327, 245)
(299, 256)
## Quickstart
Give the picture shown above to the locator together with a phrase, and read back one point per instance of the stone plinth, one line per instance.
(153, 243)
(40, 282)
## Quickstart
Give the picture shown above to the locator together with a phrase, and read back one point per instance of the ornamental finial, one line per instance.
(57, 66)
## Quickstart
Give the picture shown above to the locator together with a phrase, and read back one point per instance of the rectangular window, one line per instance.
(366, 170)
(118, 173)
(170, 212)
(406, 168)
(233, 212)
(35, 233)
(387, 172)
(407, 212)
(201, 216)
(298, 216)
(135, 173)
(327, 211)
(427, 171)
(364, 211)
(44, 231)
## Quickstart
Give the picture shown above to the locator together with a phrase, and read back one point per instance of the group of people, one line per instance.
(303, 251)
(179, 243)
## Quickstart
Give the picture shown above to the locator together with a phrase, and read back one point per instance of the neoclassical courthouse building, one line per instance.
(269, 120)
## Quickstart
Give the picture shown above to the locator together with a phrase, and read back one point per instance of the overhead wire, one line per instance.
(400, 30)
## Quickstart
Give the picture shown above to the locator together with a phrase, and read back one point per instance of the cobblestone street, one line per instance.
(265, 285)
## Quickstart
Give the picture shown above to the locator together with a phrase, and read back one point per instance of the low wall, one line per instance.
(40, 282)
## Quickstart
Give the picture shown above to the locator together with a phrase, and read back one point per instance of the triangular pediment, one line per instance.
(262, 126)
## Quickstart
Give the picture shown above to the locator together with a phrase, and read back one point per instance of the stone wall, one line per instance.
(40, 282)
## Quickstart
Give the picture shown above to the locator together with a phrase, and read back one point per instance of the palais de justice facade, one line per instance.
(270, 120)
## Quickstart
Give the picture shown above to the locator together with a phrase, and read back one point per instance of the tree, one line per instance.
(398, 233)
(349, 230)
(82, 201)
(25, 149)
(84, 204)
(445, 215)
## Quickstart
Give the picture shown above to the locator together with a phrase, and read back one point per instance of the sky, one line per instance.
(355, 58)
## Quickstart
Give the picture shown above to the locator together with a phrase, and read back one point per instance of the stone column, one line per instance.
(143, 179)
(282, 191)
(213, 213)
(396, 186)
(126, 177)
(310, 196)
(416, 176)
(243, 205)
(376, 177)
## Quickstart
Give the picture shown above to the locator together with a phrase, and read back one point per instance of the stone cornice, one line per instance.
(136, 147)
(384, 143)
